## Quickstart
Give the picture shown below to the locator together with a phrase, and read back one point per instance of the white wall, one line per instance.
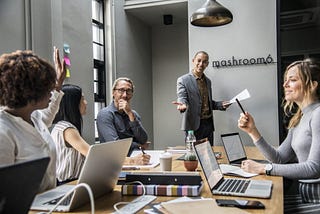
(170, 60)
(252, 33)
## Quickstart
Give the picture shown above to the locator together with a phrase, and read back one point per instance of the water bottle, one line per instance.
(190, 141)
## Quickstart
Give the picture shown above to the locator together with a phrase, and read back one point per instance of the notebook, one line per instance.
(100, 171)
(234, 148)
(228, 186)
(17, 187)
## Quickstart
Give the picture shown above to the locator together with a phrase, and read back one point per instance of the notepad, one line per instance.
(154, 159)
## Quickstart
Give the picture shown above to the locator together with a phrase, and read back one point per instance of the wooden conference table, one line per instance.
(273, 205)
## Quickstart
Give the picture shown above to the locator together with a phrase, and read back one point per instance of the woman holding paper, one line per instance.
(298, 157)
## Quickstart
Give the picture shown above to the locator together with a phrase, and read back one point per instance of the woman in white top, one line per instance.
(27, 85)
(71, 147)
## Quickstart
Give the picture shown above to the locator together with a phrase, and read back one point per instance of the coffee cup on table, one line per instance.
(166, 161)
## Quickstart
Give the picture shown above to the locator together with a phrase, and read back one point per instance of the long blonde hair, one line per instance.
(308, 71)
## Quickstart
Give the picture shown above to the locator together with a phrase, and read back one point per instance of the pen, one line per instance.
(240, 106)
(142, 150)
(130, 168)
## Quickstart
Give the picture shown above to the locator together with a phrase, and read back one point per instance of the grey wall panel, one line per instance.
(77, 33)
(170, 60)
(12, 24)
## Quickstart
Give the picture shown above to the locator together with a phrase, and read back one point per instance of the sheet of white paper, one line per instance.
(154, 159)
(228, 169)
(241, 96)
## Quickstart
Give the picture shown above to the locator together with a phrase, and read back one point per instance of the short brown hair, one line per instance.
(24, 77)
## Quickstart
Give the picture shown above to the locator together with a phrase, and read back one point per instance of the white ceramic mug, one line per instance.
(166, 161)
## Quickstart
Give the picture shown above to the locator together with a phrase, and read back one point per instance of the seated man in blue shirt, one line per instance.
(118, 120)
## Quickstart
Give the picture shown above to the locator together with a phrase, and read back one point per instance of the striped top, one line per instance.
(69, 160)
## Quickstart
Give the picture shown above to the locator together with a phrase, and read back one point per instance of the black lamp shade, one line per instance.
(211, 14)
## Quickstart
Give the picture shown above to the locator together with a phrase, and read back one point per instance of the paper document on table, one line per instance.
(228, 169)
(154, 159)
(176, 149)
(204, 205)
(241, 96)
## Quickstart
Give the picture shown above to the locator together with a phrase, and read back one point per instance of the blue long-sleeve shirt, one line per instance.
(114, 125)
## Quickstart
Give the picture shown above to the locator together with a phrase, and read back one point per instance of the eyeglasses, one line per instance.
(122, 90)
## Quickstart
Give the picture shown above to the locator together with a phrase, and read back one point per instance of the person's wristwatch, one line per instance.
(268, 168)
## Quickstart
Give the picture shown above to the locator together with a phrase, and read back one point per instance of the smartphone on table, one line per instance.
(243, 204)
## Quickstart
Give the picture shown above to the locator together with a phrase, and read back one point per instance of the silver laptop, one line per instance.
(228, 186)
(100, 171)
(234, 148)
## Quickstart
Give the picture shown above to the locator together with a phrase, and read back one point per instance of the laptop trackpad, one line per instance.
(52, 194)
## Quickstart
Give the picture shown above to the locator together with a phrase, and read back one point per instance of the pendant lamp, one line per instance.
(211, 14)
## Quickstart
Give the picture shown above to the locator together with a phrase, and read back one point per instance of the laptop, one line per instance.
(100, 171)
(228, 186)
(17, 187)
(234, 148)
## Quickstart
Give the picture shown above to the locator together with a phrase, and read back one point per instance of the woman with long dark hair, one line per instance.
(71, 147)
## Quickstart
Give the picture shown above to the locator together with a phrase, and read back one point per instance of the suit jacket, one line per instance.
(189, 94)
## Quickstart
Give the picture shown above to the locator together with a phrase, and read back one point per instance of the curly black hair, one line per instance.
(24, 78)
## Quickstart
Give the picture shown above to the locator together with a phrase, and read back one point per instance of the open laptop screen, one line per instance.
(208, 163)
(233, 146)
(19, 183)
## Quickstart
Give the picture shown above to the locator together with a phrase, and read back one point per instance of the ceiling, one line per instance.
(294, 13)
(153, 15)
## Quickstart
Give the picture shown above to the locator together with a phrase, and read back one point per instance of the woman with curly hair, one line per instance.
(30, 97)
(298, 156)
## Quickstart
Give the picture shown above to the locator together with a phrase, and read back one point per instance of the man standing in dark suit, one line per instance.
(195, 99)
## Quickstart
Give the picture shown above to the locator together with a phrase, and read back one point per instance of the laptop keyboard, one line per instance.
(65, 202)
(234, 185)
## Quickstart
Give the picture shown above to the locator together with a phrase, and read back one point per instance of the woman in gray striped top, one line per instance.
(298, 156)
(70, 146)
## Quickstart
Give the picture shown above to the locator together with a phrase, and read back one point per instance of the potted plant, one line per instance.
(190, 161)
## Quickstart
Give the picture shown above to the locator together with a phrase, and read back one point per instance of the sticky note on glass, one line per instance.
(66, 48)
(241, 96)
(68, 72)
(67, 60)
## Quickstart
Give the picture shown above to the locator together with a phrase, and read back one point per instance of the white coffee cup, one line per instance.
(166, 161)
